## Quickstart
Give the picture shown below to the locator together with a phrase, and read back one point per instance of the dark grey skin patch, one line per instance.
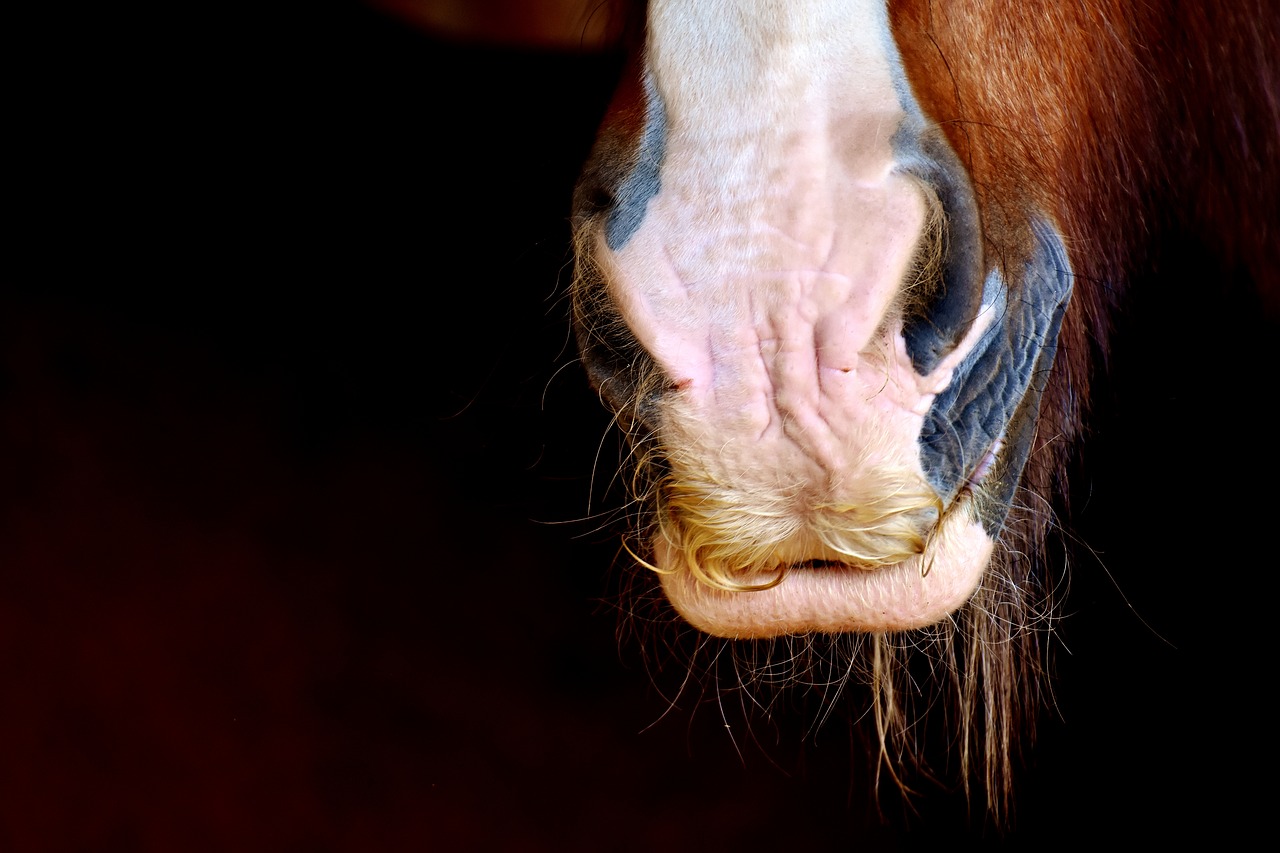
(631, 197)
(922, 151)
(931, 334)
(996, 390)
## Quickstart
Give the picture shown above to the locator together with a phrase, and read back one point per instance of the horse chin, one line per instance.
(839, 598)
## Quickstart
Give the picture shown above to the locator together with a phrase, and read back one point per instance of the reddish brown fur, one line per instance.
(1126, 121)
(1131, 124)
(1100, 111)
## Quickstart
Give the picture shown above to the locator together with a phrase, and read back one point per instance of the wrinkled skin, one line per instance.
(782, 284)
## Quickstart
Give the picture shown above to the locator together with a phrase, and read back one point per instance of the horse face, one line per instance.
(823, 282)
(784, 293)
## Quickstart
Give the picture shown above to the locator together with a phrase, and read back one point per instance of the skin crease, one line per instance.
(764, 280)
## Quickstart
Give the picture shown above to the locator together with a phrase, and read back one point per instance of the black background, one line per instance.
(296, 551)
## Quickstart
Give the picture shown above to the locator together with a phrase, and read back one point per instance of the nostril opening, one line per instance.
(594, 195)
(598, 199)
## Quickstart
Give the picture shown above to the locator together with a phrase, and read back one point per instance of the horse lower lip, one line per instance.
(830, 596)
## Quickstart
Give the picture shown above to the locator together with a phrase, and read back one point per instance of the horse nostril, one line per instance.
(597, 199)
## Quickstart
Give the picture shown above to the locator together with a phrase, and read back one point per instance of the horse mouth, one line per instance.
(825, 594)
(813, 588)
(818, 563)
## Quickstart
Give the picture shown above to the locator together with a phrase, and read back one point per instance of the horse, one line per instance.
(850, 274)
